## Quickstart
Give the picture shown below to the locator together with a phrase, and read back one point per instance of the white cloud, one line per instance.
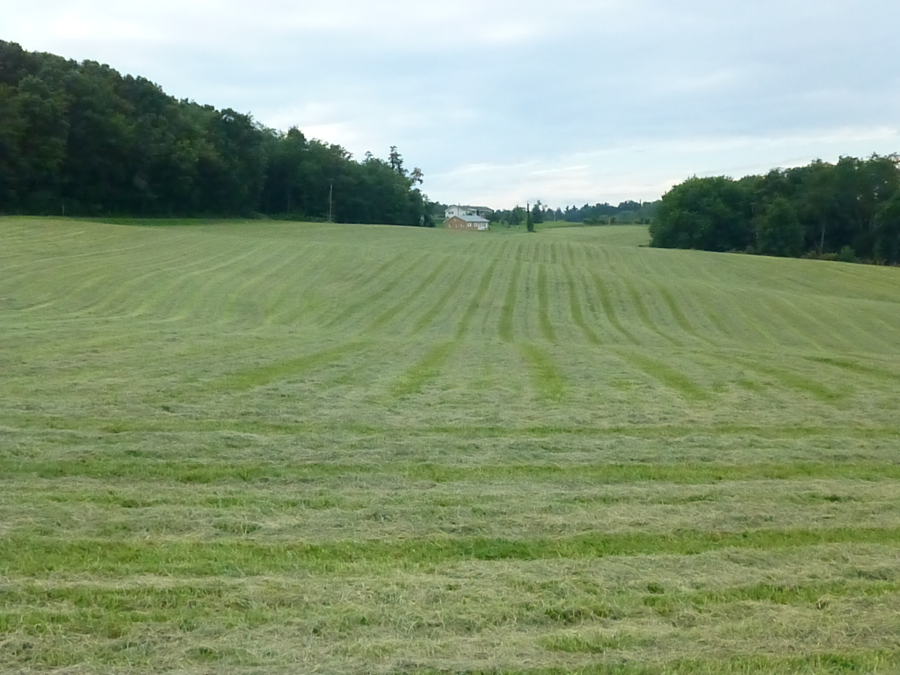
(500, 101)
(645, 170)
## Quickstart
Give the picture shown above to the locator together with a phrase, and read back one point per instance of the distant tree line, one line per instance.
(626, 213)
(846, 211)
(81, 139)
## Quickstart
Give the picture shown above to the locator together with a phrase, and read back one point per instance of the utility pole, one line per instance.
(330, 200)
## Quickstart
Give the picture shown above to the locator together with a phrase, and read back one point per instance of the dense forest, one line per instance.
(846, 211)
(81, 139)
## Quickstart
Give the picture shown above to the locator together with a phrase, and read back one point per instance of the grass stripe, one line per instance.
(609, 309)
(856, 367)
(792, 380)
(466, 322)
(686, 473)
(575, 310)
(91, 594)
(548, 380)
(772, 310)
(823, 663)
(505, 326)
(711, 307)
(544, 306)
(61, 424)
(256, 377)
(426, 369)
(665, 375)
(809, 594)
(680, 317)
(643, 313)
(441, 303)
(38, 556)
(420, 290)
(370, 298)
(825, 323)
(282, 305)
(554, 255)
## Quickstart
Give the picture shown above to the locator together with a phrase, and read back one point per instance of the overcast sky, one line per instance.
(503, 101)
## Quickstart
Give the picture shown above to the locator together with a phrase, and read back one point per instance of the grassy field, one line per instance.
(283, 448)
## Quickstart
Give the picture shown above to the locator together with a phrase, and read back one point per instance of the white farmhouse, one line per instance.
(460, 210)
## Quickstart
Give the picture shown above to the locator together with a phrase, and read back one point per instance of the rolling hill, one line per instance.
(267, 447)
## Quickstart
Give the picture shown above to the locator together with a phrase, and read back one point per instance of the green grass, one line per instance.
(281, 447)
(40, 556)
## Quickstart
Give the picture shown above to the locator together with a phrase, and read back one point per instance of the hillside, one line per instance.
(263, 447)
(81, 139)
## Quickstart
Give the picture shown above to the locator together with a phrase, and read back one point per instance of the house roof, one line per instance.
(469, 207)
(472, 219)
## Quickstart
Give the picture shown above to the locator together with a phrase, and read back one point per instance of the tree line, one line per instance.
(626, 213)
(847, 211)
(81, 139)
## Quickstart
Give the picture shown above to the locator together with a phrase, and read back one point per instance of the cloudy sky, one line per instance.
(503, 101)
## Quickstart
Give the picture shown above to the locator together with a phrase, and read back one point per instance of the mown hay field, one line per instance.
(279, 448)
